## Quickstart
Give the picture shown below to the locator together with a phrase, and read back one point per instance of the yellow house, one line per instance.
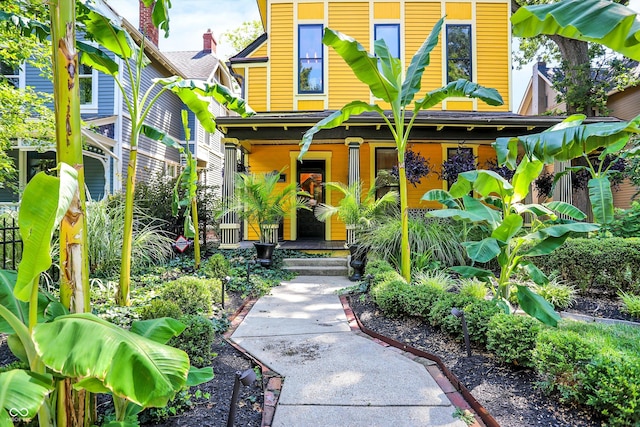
(292, 80)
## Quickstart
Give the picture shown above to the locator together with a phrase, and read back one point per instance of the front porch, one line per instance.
(305, 245)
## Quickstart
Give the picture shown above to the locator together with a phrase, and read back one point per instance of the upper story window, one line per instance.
(12, 74)
(459, 60)
(390, 33)
(88, 84)
(310, 59)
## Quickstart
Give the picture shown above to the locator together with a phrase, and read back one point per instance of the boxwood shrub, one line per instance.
(512, 338)
(194, 295)
(605, 264)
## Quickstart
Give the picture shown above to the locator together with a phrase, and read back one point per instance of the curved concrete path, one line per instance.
(332, 375)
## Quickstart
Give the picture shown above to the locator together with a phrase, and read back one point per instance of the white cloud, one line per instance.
(189, 19)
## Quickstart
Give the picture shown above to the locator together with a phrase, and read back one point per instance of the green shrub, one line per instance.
(512, 338)
(608, 264)
(195, 340)
(390, 294)
(631, 303)
(161, 308)
(626, 223)
(440, 313)
(473, 288)
(437, 279)
(216, 267)
(378, 266)
(557, 292)
(419, 299)
(478, 314)
(192, 294)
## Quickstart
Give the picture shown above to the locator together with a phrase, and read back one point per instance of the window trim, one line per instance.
(20, 76)
(388, 24)
(321, 58)
(90, 107)
(446, 50)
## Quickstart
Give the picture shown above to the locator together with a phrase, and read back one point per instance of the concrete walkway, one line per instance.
(332, 375)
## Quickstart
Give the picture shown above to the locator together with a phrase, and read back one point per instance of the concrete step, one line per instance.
(317, 266)
(321, 262)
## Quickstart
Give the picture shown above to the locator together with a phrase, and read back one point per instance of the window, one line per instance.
(85, 77)
(390, 33)
(386, 160)
(310, 59)
(11, 74)
(459, 59)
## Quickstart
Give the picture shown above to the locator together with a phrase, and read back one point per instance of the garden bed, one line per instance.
(507, 392)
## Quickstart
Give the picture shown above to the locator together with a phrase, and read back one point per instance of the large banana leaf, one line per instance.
(19, 308)
(550, 238)
(159, 330)
(567, 209)
(22, 393)
(484, 182)
(484, 250)
(600, 21)
(390, 66)
(195, 94)
(601, 199)
(526, 172)
(441, 196)
(336, 119)
(564, 143)
(459, 88)
(44, 203)
(511, 225)
(363, 64)
(419, 62)
(536, 306)
(107, 357)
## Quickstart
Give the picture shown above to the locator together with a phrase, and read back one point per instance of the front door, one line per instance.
(311, 175)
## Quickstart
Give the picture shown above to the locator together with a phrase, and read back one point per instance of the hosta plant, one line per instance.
(501, 208)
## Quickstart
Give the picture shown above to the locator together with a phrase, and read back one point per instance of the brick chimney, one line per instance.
(209, 43)
(146, 24)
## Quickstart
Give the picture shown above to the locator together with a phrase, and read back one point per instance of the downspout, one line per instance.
(238, 77)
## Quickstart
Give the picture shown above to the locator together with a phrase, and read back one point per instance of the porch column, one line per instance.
(229, 225)
(354, 144)
(563, 190)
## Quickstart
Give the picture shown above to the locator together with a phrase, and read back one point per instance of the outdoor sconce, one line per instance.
(245, 378)
(460, 314)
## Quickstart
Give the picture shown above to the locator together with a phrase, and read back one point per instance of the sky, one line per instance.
(189, 19)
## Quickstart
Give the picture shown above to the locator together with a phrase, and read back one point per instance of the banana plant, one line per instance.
(500, 208)
(187, 182)
(384, 75)
(134, 366)
(599, 21)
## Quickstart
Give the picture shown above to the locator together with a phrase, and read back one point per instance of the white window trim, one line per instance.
(92, 107)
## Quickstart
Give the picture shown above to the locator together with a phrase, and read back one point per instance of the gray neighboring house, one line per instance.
(108, 125)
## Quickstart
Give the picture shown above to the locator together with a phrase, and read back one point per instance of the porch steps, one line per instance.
(317, 266)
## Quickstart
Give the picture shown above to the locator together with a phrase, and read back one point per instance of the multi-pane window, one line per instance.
(386, 160)
(11, 74)
(85, 77)
(390, 33)
(310, 59)
(459, 60)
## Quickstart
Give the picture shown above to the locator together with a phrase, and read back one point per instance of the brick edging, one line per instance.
(455, 391)
(271, 380)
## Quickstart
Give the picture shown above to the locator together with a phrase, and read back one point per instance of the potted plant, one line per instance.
(357, 212)
(264, 202)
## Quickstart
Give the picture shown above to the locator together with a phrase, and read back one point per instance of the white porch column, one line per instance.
(563, 190)
(354, 144)
(229, 226)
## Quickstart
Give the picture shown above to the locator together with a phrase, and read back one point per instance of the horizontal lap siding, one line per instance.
(261, 52)
(420, 17)
(281, 57)
(257, 88)
(492, 33)
(351, 19)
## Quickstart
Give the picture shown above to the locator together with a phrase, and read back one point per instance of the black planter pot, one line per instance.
(264, 253)
(358, 261)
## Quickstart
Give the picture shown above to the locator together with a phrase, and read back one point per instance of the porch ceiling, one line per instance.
(284, 127)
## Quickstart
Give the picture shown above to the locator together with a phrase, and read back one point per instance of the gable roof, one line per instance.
(243, 55)
(194, 64)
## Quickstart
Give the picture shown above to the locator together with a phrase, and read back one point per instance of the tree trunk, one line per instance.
(74, 408)
(577, 66)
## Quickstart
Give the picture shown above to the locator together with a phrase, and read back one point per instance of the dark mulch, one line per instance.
(509, 393)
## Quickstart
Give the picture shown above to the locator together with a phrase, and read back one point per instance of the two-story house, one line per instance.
(107, 122)
(292, 80)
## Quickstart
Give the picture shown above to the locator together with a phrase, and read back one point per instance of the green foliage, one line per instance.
(241, 37)
(151, 244)
(436, 239)
(626, 223)
(437, 279)
(161, 308)
(512, 338)
(595, 364)
(631, 304)
(376, 266)
(607, 265)
(182, 402)
(216, 266)
(557, 292)
(419, 298)
(194, 295)
(473, 288)
(478, 313)
(196, 339)
(390, 293)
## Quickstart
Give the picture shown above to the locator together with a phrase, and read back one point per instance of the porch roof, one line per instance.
(429, 125)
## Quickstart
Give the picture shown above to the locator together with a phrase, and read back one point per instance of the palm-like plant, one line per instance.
(355, 211)
(259, 200)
